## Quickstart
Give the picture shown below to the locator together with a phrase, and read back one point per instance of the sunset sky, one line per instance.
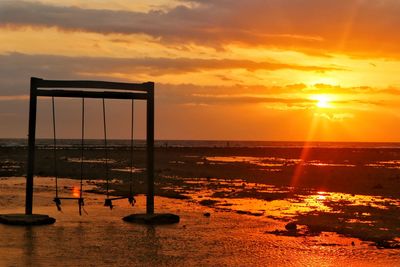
(224, 69)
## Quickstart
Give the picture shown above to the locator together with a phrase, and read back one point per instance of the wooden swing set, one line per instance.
(100, 90)
(90, 89)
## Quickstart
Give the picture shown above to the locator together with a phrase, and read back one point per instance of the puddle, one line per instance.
(274, 161)
(128, 169)
(78, 160)
(391, 164)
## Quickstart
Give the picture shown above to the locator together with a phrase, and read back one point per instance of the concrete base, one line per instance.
(23, 219)
(153, 219)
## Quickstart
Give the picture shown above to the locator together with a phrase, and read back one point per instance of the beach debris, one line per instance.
(153, 219)
(292, 226)
(208, 202)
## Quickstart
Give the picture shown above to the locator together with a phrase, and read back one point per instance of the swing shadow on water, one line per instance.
(101, 238)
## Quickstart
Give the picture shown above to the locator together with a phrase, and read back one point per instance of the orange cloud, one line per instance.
(367, 28)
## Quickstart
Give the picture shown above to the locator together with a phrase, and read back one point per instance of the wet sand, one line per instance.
(225, 238)
(348, 191)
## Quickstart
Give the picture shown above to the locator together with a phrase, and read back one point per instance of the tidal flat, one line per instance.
(351, 192)
(204, 237)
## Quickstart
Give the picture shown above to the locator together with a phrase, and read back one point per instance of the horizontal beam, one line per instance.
(89, 94)
(40, 83)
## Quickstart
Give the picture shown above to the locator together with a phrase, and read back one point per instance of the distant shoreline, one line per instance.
(46, 142)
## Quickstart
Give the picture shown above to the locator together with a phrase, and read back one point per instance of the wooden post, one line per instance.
(31, 147)
(150, 149)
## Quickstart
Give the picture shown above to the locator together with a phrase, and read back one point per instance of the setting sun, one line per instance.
(322, 101)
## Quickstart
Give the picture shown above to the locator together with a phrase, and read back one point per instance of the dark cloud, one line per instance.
(16, 68)
(313, 26)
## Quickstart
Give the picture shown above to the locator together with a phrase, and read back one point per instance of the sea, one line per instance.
(47, 142)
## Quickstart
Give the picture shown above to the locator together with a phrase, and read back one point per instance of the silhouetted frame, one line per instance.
(91, 89)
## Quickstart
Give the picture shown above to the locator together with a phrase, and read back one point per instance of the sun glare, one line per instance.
(322, 101)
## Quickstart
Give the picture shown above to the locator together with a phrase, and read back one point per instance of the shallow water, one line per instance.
(277, 201)
(283, 162)
(101, 238)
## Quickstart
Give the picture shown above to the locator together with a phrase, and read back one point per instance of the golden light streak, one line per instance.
(305, 152)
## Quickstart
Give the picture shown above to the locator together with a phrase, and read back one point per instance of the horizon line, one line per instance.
(206, 140)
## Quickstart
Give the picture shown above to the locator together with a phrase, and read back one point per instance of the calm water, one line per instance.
(101, 238)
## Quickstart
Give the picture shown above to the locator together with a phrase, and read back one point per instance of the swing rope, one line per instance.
(56, 199)
(80, 200)
(108, 201)
(131, 198)
(105, 147)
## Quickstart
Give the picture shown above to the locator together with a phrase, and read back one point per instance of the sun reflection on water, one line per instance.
(269, 200)
(76, 191)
